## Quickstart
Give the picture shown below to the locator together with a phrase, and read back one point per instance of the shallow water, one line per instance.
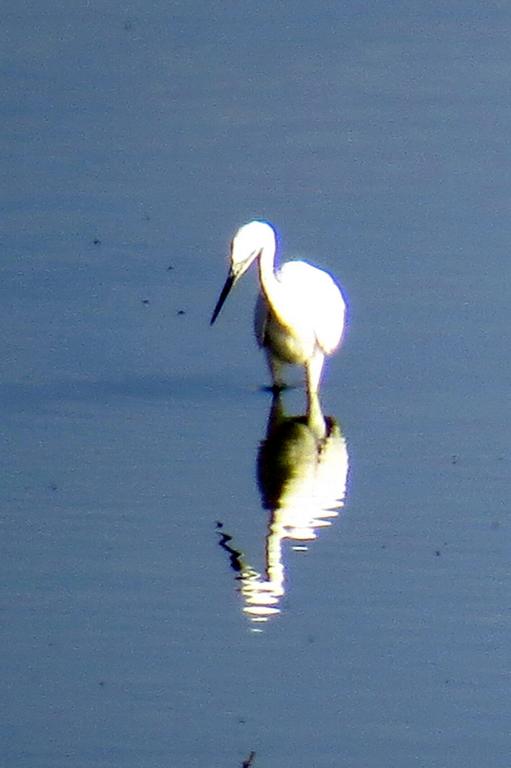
(134, 484)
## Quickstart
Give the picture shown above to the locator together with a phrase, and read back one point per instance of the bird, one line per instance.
(300, 311)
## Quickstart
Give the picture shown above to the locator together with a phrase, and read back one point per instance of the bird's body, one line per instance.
(301, 328)
(299, 314)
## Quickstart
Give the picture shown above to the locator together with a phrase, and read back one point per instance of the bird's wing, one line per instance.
(330, 322)
(320, 300)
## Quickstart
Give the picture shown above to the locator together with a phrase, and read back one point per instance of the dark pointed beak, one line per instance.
(231, 279)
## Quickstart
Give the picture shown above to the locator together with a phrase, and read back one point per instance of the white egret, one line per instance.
(299, 314)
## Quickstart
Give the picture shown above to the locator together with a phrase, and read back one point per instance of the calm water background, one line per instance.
(137, 137)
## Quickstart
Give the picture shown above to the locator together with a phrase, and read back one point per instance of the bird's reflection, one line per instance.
(302, 471)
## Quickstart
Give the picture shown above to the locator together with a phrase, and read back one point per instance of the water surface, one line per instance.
(136, 140)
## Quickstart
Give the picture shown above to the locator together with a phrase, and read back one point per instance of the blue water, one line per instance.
(136, 140)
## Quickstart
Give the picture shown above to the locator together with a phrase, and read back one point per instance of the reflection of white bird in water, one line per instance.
(302, 481)
(299, 315)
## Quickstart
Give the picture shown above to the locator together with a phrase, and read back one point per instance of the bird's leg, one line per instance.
(276, 368)
(276, 415)
(315, 418)
(313, 368)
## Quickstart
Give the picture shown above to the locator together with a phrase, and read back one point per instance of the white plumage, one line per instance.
(319, 304)
(299, 314)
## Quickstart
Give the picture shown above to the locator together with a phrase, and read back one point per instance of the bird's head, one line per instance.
(247, 245)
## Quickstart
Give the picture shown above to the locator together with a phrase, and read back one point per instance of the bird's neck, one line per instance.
(274, 291)
(267, 277)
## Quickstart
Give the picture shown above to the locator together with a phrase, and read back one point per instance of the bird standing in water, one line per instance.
(299, 314)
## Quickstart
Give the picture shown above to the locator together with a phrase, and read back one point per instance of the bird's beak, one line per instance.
(231, 279)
